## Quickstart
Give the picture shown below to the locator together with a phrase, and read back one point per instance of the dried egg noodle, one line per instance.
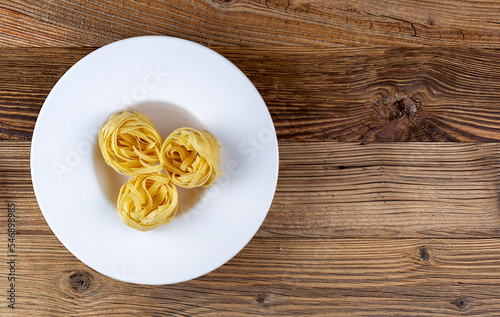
(191, 157)
(147, 201)
(130, 144)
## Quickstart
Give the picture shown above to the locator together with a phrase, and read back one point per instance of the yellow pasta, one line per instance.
(191, 157)
(130, 144)
(147, 201)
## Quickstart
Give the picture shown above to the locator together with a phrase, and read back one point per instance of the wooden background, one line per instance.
(388, 120)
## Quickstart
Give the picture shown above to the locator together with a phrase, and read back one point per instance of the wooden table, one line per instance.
(388, 118)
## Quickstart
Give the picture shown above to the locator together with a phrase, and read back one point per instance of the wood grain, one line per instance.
(389, 190)
(348, 94)
(25, 81)
(278, 277)
(336, 190)
(355, 94)
(253, 22)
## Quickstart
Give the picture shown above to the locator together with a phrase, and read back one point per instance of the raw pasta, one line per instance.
(147, 201)
(130, 144)
(191, 157)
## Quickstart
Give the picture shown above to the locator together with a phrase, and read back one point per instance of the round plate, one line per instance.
(176, 83)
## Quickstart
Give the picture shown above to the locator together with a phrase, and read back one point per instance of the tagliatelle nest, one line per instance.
(130, 144)
(147, 201)
(191, 157)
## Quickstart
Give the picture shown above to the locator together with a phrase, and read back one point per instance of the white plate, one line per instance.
(176, 83)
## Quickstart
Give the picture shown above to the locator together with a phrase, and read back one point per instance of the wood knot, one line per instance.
(261, 299)
(398, 106)
(424, 253)
(79, 281)
(393, 118)
(461, 303)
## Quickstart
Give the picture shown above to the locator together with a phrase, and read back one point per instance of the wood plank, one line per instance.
(386, 94)
(335, 190)
(294, 276)
(386, 190)
(348, 94)
(244, 22)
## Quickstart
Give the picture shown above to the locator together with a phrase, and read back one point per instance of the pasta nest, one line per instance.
(130, 144)
(147, 201)
(191, 157)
